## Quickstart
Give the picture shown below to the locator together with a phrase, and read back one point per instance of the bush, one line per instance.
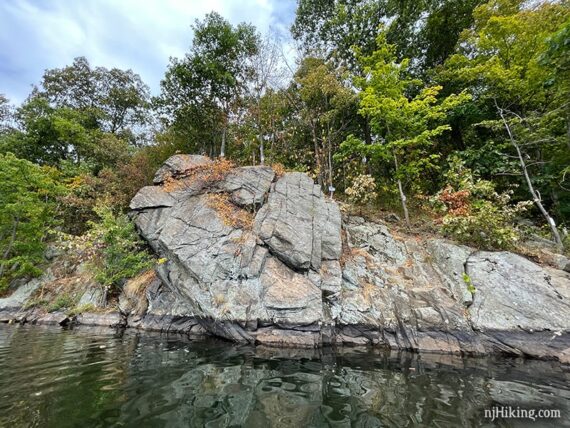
(121, 251)
(27, 214)
(474, 213)
(363, 190)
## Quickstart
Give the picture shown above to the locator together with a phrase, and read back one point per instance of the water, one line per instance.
(92, 377)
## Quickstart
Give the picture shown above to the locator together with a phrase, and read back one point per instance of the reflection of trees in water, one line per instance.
(59, 377)
(161, 381)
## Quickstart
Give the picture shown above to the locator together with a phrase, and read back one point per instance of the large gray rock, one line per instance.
(235, 279)
(248, 185)
(21, 295)
(295, 219)
(291, 280)
(514, 293)
(179, 165)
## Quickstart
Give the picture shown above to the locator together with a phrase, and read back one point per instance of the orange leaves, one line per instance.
(457, 202)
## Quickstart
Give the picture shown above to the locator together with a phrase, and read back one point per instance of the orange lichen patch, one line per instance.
(206, 174)
(229, 213)
(278, 169)
(368, 291)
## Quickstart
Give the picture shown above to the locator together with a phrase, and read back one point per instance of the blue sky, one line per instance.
(136, 34)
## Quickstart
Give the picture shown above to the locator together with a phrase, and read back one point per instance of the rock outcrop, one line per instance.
(254, 257)
(267, 259)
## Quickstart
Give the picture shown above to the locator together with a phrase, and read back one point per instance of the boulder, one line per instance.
(294, 220)
(252, 257)
(179, 165)
(514, 293)
(248, 185)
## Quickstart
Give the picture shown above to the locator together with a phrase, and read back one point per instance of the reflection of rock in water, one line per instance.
(86, 378)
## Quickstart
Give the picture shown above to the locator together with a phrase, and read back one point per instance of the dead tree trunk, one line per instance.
(403, 198)
(535, 194)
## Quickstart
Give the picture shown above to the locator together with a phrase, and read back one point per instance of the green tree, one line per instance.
(111, 100)
(202, 91)
(406, 127)
(425, 30)
(326, 107)
(504, 62)
(27, 213)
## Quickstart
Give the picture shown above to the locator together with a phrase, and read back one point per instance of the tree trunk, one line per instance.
(261, 151)
(223, 148)
(403, 198)
(317, 156)
(535, 195)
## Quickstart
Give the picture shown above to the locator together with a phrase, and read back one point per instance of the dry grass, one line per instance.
(137, 286)
(229, 213)
(219, 299)
(368, 290)
(205, 174)
(278, 169)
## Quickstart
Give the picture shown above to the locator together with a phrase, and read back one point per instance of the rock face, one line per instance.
(294, 274)
(254, 257)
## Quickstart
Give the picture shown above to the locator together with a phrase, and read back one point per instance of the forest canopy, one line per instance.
(454, 114)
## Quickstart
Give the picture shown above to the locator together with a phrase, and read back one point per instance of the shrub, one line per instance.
(27, 215)
(363, 190)
(474, 213)
(121, 251)
(62, 301)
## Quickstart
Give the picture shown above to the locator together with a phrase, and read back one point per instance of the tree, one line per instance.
(5, 114)
(27, 208)
(405, 127)
(267, 74)
(503, 61)
(425, 30)
(204, 89)
(112, 100)
(324, 105)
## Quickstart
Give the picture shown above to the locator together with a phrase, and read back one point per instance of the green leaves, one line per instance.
(27, 214)
(406, 117)
(122, 253)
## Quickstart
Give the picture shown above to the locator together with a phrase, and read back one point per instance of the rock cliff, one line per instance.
(261, 258)
(252, 256)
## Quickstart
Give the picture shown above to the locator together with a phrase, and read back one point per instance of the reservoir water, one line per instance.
(52, 377)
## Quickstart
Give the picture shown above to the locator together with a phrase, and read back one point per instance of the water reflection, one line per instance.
(86, 377)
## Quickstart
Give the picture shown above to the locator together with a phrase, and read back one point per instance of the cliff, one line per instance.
(252, 256)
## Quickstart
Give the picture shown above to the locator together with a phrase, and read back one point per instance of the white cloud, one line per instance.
(141, 35)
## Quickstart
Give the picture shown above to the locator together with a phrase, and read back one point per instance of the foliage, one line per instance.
(27, 214)
(469, 283)
(122, 252)
(201, 92)
(426, 30)
(512, 60)
(62, 301)
(362, 190)
(474, 213)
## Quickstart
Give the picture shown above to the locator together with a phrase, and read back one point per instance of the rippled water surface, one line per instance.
(89, 377)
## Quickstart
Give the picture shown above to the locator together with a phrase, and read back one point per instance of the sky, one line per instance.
(129, 34)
